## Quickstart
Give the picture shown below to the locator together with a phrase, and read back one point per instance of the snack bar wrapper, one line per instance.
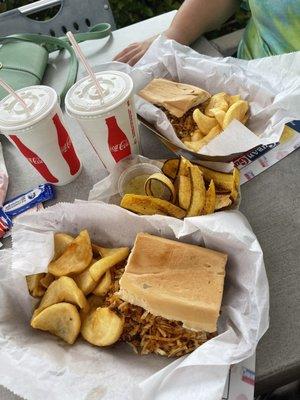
(271, 85)
(36, 365)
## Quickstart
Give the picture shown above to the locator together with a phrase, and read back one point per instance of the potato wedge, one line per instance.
(222, 201)
(198, 192)
(184, 191)
(223, 181)
(170, 168)
(47, 280)
(103, 285)
(196, 135)
(115, 256)
(219, 115)
(75, 258)
(35, 288)
(204, 123)
(184, 167)
(84, 280)
(196, 146)
(210, 199)
(65, 290)
(102, 327)
(233, 99)
(147, 205)
(217, 101)
(61, 320)
(237, 111)
(61, 242)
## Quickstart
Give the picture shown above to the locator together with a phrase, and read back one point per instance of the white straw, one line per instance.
(84, 61)
(13, 93)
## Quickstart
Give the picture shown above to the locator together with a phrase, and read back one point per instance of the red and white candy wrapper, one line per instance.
(41, 135)
(3, 177)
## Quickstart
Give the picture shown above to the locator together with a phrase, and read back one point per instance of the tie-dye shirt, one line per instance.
(274, 28)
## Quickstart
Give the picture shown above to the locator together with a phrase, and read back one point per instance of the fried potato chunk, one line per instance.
(65, 290)
(35, 288)
(184, 191)
(217, 101)
(210, 199)
(61, 242)
(113, 257)
(102, 327)
(204, 123)
(60, 319)
(84, 280)
(103, 285)
(76, 257)
(222, 201)
(237, 111)
(47, 280)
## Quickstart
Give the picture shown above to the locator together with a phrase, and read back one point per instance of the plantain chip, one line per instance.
(170, 168)
(65, 290)
(35, 288)
(222, 201)
(204, 123)
(210, 199)
(60, 319)
(147, 205)
(113, 257)
(103, 285)
(84, 280)
(223, 181)
(61, 242)
(160, 186)
(102, 327)
(235, 185)
(184, 191)
(75, 258)
(198, 192)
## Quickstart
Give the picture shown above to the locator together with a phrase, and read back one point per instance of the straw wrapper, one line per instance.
(36, 365)
(271, 85)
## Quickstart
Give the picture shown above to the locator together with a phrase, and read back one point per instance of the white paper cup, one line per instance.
(111, 125)
(41, 135)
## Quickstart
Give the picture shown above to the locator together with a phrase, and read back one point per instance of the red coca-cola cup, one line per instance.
(40, 133)
(109, 124)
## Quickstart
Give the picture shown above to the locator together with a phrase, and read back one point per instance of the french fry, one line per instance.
(196, 135)
(147, 205)
(198, 192)
(233, 99)
(184, 167)
(184, 191)
(210, 199)
(204, 123)
(115, 256)
(222, 201)
(75, 258)
(170, 168)
(60, 319)
(196, 146)
(219, 115)
(235, 186)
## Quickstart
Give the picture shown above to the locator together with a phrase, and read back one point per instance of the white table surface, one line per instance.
(278, 358)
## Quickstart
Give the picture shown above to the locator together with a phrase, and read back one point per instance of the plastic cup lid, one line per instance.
(83, 100)
(39, 100)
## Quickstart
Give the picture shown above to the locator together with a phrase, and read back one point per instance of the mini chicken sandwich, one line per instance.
(172, 292)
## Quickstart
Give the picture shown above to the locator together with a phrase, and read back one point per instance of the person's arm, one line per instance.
(194, 18)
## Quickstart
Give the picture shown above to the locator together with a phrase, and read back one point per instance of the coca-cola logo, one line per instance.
(66, 146)
(120, 146)
(35, 160)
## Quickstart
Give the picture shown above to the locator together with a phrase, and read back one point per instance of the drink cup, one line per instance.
(110, 125)
(40, 133)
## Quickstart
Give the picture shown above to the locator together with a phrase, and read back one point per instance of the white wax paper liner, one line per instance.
(271, 85)
(38, 366)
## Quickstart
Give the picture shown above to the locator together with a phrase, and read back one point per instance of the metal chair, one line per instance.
(73, 15)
